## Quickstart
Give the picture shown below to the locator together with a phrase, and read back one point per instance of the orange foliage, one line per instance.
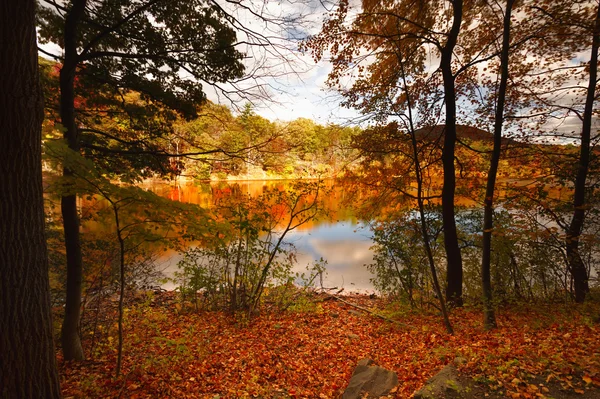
(171, 353)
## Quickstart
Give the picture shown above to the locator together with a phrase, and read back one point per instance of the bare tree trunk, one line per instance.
(426, 241)
(420, 202)
(27, 365)
(71, 342)
(454, 274)
(576, 265)
(489, 318)
(121, 285)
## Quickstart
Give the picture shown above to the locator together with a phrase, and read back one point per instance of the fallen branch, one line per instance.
(367, 310)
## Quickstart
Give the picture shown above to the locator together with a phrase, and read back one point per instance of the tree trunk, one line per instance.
(489, 318)
(421, 205)
(454, 274)
(121, 286)
(576, 265)
(71, 342)
(28, 367)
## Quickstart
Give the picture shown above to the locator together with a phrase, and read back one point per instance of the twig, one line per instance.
(124, 383)
(368, 310)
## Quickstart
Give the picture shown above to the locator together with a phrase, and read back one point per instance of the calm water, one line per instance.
(340, 238)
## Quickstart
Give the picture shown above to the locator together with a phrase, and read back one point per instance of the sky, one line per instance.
(307, 96)
(296, 85)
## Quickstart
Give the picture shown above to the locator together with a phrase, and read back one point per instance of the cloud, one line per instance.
(346, 250)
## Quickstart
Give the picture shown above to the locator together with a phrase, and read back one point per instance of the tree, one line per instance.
(157, 48)
(258, 137)
(405, 155)
(454, 272)
(574, 259)
(366, 50)
(28, 367)
(561, 89)
(241, 260)
(489, 316)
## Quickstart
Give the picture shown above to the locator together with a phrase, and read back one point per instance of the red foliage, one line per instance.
(311, 354)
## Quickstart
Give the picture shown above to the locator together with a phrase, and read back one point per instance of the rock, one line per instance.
(352, 336)
(440, 385)
(355, 312)
(370, 380)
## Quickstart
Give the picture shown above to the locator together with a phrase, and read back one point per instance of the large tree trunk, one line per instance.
(71, 342)
(576, 265)
(454, 273)
(27, 365)
(489, 318)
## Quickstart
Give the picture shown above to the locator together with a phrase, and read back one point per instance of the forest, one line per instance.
(472, 165)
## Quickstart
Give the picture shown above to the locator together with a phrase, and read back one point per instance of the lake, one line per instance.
(340, 238)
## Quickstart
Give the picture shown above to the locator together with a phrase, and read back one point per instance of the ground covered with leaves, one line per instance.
(311, 349)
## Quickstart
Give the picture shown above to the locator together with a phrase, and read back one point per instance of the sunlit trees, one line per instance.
(365, 51)
(28, 367)
(261, 142)
(162, 50)
(250, 146)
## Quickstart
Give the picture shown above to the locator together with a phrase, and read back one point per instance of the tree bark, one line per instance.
(27, 365)
(71, 342)
(489, 317)
(576, 265)
(454, 273)
(121, 285)
(421, 205)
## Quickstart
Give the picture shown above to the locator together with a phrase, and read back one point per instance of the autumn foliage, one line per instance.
(310, 351)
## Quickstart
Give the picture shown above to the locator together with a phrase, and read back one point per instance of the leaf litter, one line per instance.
(171, 351)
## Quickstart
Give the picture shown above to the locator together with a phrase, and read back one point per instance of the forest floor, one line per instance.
(310, 351)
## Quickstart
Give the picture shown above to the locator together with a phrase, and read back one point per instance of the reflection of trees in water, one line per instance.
(339, 202)
(528, 259)
(249, 250)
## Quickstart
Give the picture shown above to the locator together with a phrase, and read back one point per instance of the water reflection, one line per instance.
(338, 238)
(346, 248)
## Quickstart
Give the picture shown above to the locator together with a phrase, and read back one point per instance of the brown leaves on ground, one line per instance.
(311, 352)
